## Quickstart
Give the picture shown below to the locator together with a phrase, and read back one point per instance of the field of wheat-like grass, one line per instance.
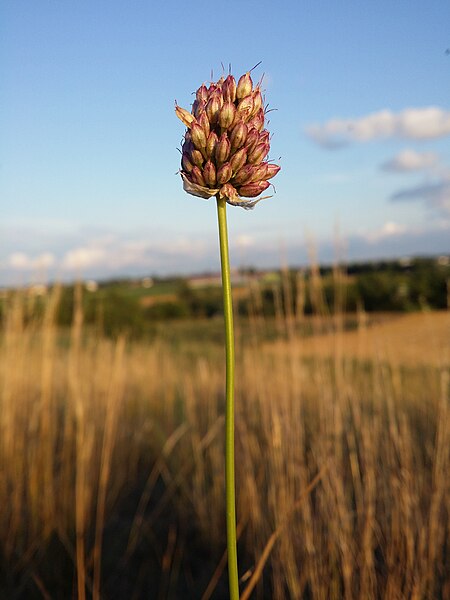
(112, 474)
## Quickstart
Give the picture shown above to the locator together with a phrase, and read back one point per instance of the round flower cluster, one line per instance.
(225, 147)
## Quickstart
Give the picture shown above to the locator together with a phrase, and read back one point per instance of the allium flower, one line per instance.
(225, 147)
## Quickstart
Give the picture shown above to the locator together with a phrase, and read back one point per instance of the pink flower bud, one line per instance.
(226, 115)
(184, 116)
(225, 145)
(244, 175)
(257, 102)
(224, 174)
(250, 190)
(253, 138)
(197, 158)
(209, 174)
(257, 122)
(238, 160)
(186, 163)
(229, 89)
(202, 93)
(259, 173)
(245, 107)
(238, 136)
(272, 170)
(244, 87)
(198, 136)
(197, 177)
(212, 109)
(211, 144)
(203, 121)
(258, 154)
(264, 136)
(187, 146)
(223, 149)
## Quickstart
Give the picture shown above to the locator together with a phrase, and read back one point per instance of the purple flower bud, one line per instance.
(259, 173)
(224, 174)
(223, 149)
(198, 108)
(229, 89)
(197, 177)
(257, 102)
(198, 136)
(212, 109)
(187, 146)
(226, 115)
(258, 153)
(186, 117)
(186, 163)
(211, 144)
(253, 138)
(245, 107)
(257, 122)
(209, 174)
(250, 190)
(203, 121)
(225, 145)
(272, 170)
(244, 87)
(238, 136)
(197, 158)
(202, 93)
(238, 160)
(244, 175)
(264, 136)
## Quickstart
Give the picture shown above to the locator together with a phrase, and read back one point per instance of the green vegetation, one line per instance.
(137, 309)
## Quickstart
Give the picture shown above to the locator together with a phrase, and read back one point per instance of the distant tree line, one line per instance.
(389, 286)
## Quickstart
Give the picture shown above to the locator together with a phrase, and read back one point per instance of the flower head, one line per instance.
(226, 145)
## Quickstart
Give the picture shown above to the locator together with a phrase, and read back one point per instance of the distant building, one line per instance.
(443, 261)
(147, 282)
(38, 289)
(91, 285)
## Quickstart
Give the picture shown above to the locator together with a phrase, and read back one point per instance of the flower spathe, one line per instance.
(225, 147)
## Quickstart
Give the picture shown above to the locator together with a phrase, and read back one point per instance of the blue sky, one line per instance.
(88, 146)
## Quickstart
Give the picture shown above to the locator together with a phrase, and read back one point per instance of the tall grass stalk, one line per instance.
(229, 418)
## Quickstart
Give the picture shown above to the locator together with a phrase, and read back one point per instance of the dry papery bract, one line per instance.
(111, 461)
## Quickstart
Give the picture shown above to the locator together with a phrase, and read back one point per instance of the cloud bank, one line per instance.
(426, 123)
(103, 257)
(410, 160)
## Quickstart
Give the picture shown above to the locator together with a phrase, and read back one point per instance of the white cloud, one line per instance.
(112, 254)
(18, 260)
(83, 258)
(412, 123)
(244, 241)
(389, 229)
(23, 262)
(410, 160)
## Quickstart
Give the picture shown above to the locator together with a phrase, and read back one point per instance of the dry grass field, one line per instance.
(399, 339)
(112, 476)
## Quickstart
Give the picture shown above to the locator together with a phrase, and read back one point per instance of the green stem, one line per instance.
(229, 417)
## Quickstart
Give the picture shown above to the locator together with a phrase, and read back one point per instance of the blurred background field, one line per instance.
(111, 451)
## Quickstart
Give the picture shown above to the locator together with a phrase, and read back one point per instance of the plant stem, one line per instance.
(229, 416)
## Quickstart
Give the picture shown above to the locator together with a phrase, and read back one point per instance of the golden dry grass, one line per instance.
(401, 339)
(111, 462)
